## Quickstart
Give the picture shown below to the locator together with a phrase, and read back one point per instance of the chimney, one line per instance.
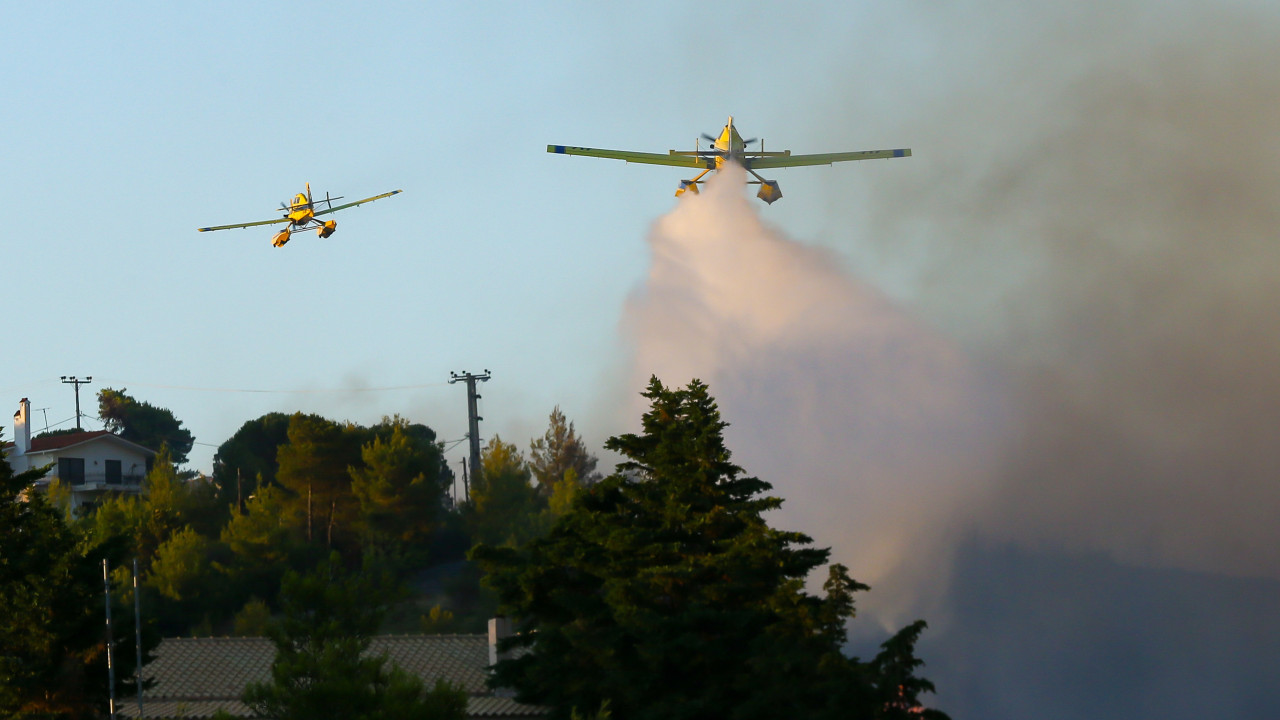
(499, 629)
(22, 428)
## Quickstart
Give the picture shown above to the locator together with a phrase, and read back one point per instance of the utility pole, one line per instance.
(137, 637)
(111, 668)
(72, 380)
(473, 418)
(466, 489)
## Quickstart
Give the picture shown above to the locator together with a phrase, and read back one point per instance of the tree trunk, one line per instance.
(332, 509)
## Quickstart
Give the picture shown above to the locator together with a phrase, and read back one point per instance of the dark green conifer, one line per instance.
(665, 593)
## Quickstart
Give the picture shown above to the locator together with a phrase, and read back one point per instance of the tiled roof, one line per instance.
(487, 707)
(57, 442)
(194, 709)
(49, 443)
(500, 707)
(208, 668)
(460, 659)
(196, 677)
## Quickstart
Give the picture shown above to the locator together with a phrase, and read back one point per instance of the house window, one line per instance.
(71, 470)
(114, 474)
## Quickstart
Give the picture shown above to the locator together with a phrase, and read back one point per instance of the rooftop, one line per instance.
(196, 677)
(57, 442)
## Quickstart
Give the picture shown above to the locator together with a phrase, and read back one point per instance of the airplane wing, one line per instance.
(358, 202)
(691, 161)
(779, 161)
(244, 225)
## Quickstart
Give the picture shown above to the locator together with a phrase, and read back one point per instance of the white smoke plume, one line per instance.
(873, 427)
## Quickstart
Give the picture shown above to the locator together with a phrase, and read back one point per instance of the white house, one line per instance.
(91, 464)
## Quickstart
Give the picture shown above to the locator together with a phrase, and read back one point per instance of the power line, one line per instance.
(281, 392)
(451, 444)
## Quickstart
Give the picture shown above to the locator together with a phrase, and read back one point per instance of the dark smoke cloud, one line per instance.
(1096, 216)
(1116, 252)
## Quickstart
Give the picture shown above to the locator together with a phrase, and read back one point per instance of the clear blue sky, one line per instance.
(130, 125)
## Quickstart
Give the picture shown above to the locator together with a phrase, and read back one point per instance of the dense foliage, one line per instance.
(289, 489)
(665, 593)
(52, 614)
(660, 591)
(322, 667)
(144, 423)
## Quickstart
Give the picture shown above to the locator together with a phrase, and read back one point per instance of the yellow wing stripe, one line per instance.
(825, 158)
(690, 161)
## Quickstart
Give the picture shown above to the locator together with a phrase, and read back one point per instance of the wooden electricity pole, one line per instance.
(73, 380)
(473, 419)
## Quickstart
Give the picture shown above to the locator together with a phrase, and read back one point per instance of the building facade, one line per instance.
(90, 464)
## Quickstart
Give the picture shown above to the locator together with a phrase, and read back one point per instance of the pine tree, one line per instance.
(322, 668)
(144, 423)
(665, 592)
(557, 453)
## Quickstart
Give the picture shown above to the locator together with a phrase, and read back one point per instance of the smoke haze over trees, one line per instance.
(1061, 394)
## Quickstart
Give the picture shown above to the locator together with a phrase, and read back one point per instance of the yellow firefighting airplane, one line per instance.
(301, 215)
(730, 147)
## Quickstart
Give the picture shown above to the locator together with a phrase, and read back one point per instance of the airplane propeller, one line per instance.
(712, 138)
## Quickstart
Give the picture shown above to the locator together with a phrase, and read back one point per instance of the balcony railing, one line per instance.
(102, 481)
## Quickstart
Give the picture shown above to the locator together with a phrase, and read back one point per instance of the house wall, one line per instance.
(133, 467)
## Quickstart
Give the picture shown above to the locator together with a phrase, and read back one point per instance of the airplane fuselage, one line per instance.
(729, 145)
(301, 210)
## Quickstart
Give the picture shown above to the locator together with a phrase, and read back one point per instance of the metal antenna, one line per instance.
(72, 380)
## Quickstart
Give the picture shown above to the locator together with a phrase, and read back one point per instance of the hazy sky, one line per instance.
(1046, 344)
(131, 125)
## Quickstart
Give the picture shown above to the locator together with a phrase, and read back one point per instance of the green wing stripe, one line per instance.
(358, 202)
(825, 158)
(244, 225)
(636, 157)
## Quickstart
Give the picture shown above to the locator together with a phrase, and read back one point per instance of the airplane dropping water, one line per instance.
(730, 147)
